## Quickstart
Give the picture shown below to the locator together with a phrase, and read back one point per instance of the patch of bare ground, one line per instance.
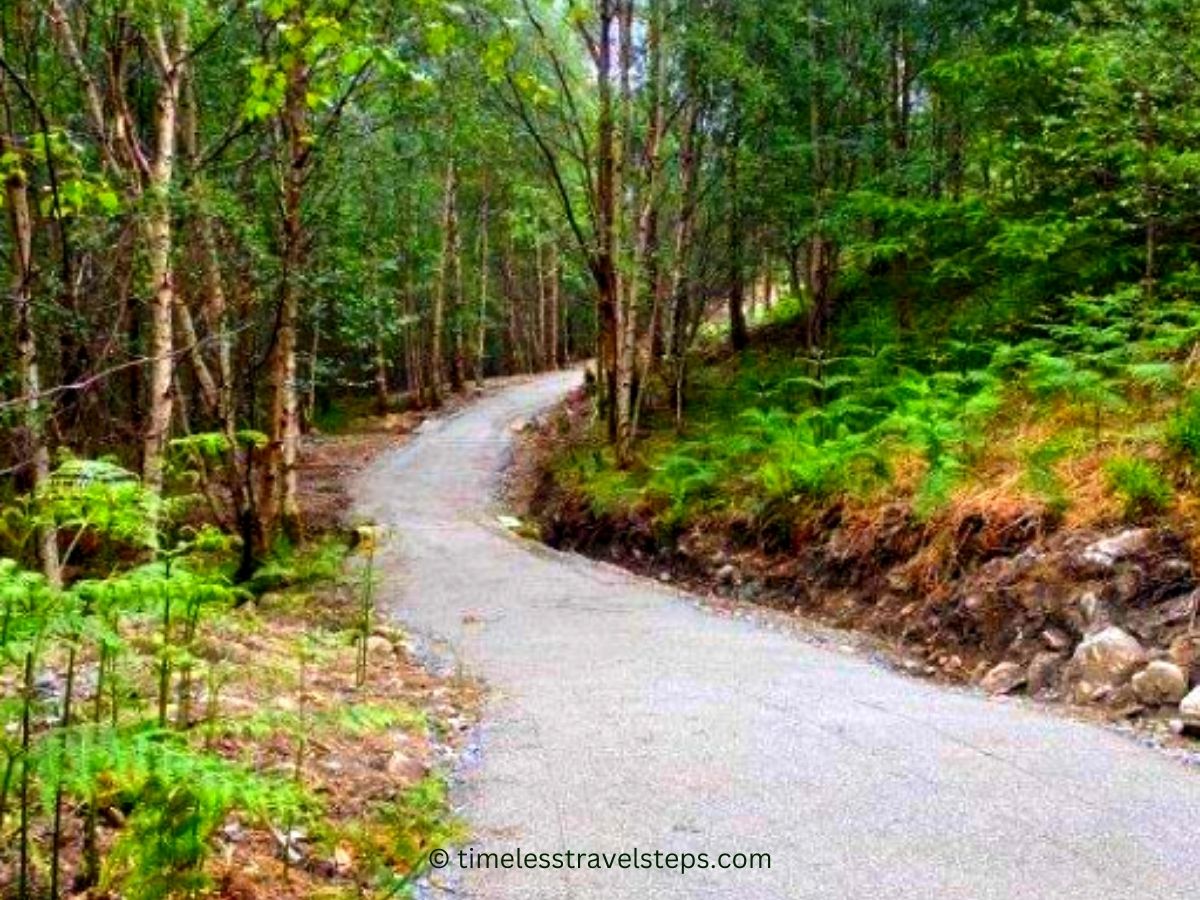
(996, 592)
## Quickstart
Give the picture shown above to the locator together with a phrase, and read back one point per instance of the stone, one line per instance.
(1044, 672)
(1159, 684)
(1003, 678)
(1185, 653)
(727, 574)
(404, 768)
(750, 592)
(1094, 610)
(291, 844)
(1108, 552)
(1189, 708)
(1056, 638)
(379, 645)
(1108, 658)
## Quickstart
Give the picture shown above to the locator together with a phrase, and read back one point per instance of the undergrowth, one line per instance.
(775, 434)
(120, 754)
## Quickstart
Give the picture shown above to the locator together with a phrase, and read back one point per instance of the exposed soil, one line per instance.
(951, 597)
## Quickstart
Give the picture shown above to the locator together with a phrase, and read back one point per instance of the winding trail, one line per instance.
(622, 716)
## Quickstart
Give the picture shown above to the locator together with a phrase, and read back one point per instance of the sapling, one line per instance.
(26, 725)
(164, 658)
(366, 536)
(64, 726)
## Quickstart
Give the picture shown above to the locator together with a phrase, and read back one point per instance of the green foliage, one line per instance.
(398, 838)
(1183, 428)
(290, 566)
(1139, 485)
(179, 796)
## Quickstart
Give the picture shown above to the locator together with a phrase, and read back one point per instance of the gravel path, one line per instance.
(622, 717)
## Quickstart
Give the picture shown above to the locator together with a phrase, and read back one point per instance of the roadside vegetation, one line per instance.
(172, 732)
(1085, 418)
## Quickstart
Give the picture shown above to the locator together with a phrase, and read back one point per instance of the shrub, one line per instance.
(1139, 485)
(1183, 428)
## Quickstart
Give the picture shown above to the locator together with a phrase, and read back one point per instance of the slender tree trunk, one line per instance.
(21, 230)
(555, 359)
(646, 261)
(215, 305)
(738, 336)
(481, 329)
(381, 373)
(436, 363)
(626, 283)
(159, 246)
(279, 503)
(821, 250)
(509, 277)
(539, 342)
(607, 295)
(678, 292)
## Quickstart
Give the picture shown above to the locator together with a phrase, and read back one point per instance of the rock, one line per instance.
(1189, 708)
(291, 844)
(1056, 638)
(1003, 678)
(404, 768)
(1111, 550)
(1185, 653)
(727, 574)
(1095, 612)
(1044, 672)
(1159, 684)
(48, 686)
(519, 425)
(664, 577)
(379, 645)
(750, 592)
(1108, 658)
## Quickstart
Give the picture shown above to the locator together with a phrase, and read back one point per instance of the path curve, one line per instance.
(622, 717)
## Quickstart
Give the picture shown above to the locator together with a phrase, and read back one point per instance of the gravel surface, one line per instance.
(621, 717)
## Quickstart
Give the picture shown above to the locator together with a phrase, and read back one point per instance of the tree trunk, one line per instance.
(822, 253)
(605, 268)
(626, 283)
(481, 331)
(555, 357)
(678, 294)
(162, 276)
(436, 363)
(21, 230)
(458, 374)
(279, 503)
(539, 342)
(738, 336)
